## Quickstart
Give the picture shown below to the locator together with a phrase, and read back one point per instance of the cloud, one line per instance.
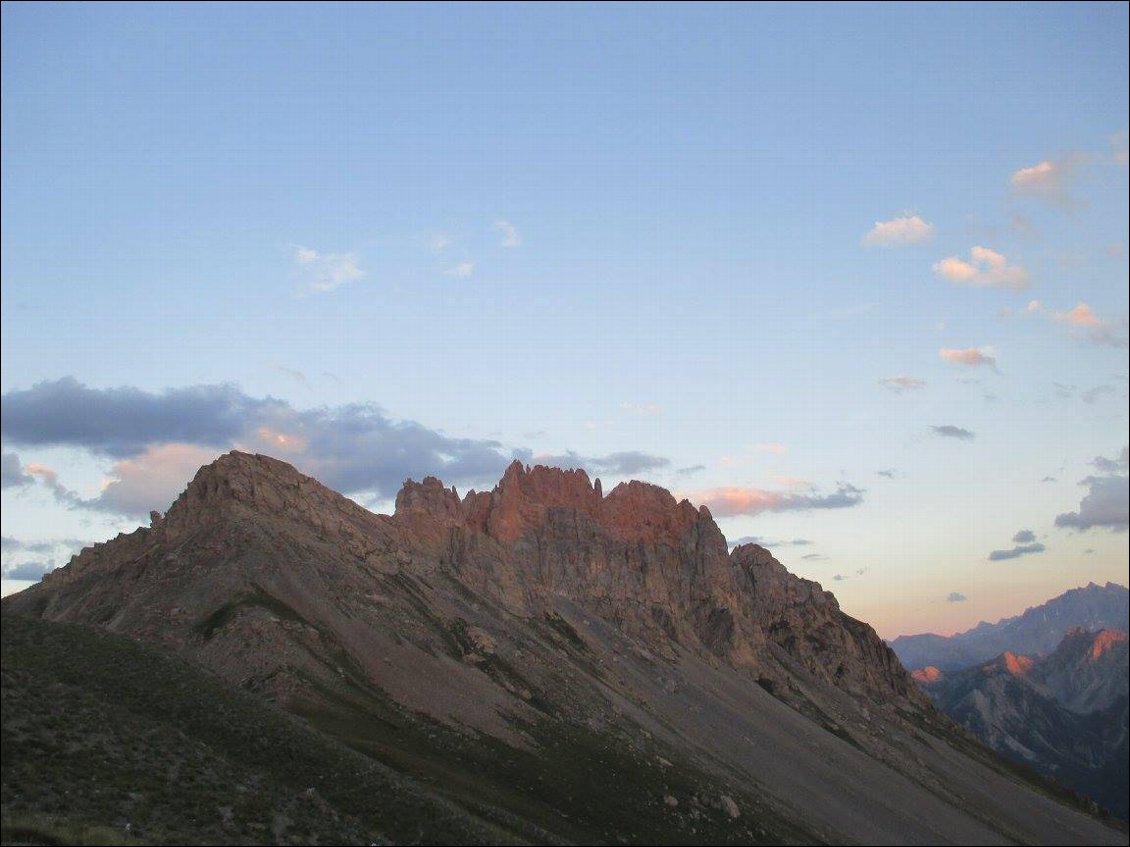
(955, 597)
(761, 541)
(437, 242)
(900, 384)
(899, 231)
(1016, 552)
(625, 463)
(1106, 505)
(40, 548)
(987, 269)
(1097, 329)
(950, 431)
(461, 270)
(150, 481)
(692, 469)
(772, 447)
(510, 236)
(1024, 536)
(641, 408)
(970, 356)
(1119, 463)
(1084, 321)
(12, 473)
(1050, 181)
(326, 271)
(841, 578)
(28, 570)
(295, 374)
(1092, 395)
(1118, 148)
(50, 480)
(122, 422)
(734, 501)
(352, 448)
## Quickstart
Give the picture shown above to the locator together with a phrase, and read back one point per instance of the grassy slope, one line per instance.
(101, 732)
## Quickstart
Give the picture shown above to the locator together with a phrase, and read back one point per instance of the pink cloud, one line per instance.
(1083, 319)
(1050, 181)
(986, 269)
(969, 356)
(731, 501)
(153, 479)
(908, 229)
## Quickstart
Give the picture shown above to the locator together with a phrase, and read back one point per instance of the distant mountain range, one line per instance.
(1036, 632)
(539, 663)
(1064, 713)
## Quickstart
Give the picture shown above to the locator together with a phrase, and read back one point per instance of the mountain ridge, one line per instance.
(1036, 631)
(1065, 713)
(543, 615)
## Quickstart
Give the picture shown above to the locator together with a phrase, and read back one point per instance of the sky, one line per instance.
(853, 276)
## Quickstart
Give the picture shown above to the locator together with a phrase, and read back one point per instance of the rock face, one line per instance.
(546, 616)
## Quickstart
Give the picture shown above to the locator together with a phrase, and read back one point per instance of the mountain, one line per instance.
(1035, 632)
(554, 663)
(1065, 713)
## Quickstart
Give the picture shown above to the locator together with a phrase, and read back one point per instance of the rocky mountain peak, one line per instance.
(525, 496)
(1106, 641)
(1014, 664)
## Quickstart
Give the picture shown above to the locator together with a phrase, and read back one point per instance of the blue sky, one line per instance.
(851, 275)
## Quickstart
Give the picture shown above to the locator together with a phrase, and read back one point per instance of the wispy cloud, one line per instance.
(641, 408)
(322, 272)
(1119, 464)
(295, 374)
(774, 447)
(950, 431)
(985, 269)
(462, 270)
(769, 543)
(1050, 181)
(907, 229)
(510, 236)
(437, 242)
(969, 356)
(1118, 148)
(888, 473)
(901, 384)
(1083, 320)
(1024, 536)
(623, 463)
(734, 501)
(955, 597)
(1016, 552)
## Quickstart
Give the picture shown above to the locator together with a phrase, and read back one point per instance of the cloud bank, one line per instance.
(157, 440)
